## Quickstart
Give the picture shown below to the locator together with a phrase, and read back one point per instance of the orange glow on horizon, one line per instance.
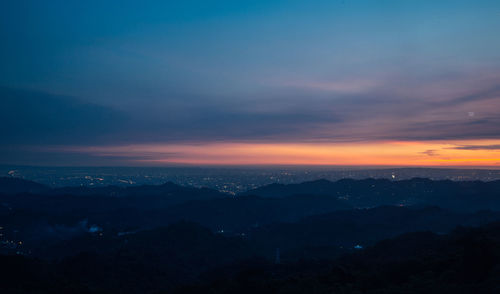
(394, 153)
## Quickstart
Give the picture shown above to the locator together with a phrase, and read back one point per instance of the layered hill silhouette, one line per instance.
(458, 195)
(349, 236)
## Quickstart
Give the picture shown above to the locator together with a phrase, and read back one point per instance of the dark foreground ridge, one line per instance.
(349, 236)
(186, 258)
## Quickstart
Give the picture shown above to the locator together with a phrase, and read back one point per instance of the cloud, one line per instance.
(430, 152)
(395, 111)
(490, 93)
(448, 128)
(32, 117)
(477, 147)
(271, 115)
(350, 86)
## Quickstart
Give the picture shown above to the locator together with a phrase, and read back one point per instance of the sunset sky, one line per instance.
(407, 83)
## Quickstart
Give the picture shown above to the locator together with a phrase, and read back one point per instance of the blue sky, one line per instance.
(101, 73)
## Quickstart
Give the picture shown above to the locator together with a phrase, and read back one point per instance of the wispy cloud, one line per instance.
(430, 152)
(343, 86)
(478, 147)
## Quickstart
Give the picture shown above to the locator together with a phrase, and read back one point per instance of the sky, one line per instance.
(409, 83)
